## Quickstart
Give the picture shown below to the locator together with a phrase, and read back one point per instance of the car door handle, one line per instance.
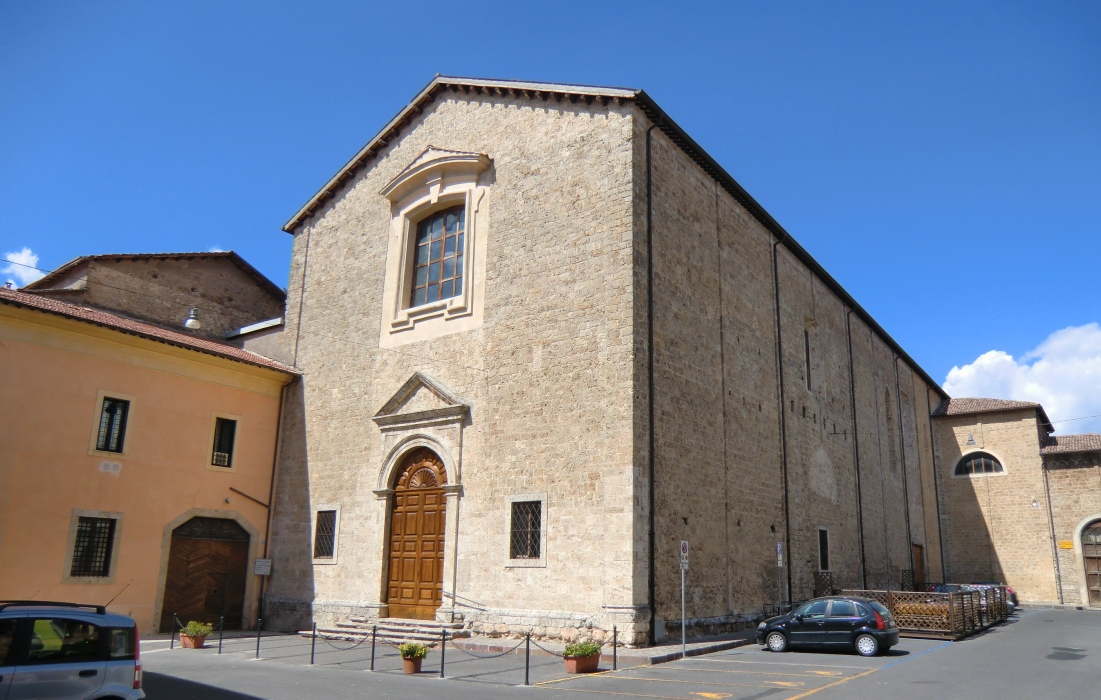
(89, 673)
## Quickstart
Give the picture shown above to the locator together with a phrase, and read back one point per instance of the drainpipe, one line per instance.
(936, 490)
(856, 453)
(905, 480)
(783, 408)
(1054, 542)
(650, 364)
(271, 488)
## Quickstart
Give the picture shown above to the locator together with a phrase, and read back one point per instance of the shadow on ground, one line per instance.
(158, 686)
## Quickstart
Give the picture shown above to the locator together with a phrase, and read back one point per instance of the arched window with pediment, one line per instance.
(978, 463)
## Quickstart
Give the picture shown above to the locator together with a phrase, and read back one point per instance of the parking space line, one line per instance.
(812, 691)
(780, 663)
(812, 674)
(583, 675)
(724, 685)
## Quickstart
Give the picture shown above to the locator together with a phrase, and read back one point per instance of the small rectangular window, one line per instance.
(95, 538)
(225, 430)
(806, 349)
(823, 549)
(526, 524)
(112, 425)
(324, 539)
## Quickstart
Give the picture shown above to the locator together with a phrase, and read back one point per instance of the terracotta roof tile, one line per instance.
(969, 406)
(140, 328)
(1086, 442)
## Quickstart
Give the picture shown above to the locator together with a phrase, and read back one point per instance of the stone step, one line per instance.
(394, 636)
(400, 622)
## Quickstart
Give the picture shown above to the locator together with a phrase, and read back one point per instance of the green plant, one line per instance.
(581, 649)
(412, 650)
(197, 629)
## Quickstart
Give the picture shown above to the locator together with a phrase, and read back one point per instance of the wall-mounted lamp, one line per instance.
(192, 321)
(970, 437)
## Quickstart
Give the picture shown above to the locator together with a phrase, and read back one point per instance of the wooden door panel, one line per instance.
(203, 577)
(416, 538)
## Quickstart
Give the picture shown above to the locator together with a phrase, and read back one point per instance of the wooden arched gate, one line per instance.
(207, 569)
(417, 524)
(1091, 556)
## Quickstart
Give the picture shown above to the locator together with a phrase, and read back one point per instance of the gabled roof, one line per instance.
(603, 95)
(115, 322)
(1061, 444)
(266, 284)
(970, 406)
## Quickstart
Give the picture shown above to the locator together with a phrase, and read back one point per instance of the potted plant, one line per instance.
(412, 654)
(194, 634)
(581, 657)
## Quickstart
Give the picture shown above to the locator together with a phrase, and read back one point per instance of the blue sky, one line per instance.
(941, 160)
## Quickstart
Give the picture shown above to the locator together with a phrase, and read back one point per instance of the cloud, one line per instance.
(21, 275)
(214, 249)
(1063, 373)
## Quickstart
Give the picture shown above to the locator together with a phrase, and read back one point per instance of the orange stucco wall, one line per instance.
(51, 372)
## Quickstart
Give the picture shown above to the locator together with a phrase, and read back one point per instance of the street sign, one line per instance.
(684, 555)
(262, 567)
(779, 555)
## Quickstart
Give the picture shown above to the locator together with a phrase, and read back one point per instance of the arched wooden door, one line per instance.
(417, 521)
(1091, 555)
(207, 571)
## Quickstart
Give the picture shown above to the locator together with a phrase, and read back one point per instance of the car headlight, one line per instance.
(761, 626)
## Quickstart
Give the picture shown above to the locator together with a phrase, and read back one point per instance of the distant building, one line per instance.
(136, 459)
(1019, 504)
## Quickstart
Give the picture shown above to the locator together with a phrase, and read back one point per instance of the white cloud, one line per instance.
(21, 275)
(214, 249)
(1063, 373)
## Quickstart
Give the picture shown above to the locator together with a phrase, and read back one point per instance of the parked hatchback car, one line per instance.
(55, 651)
(841, 622)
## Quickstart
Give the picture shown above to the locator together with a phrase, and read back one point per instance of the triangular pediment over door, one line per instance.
(422, 400)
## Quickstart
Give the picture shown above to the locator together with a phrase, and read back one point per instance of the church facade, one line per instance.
(544, 339)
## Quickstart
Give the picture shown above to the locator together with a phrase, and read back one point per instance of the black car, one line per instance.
(838, 621)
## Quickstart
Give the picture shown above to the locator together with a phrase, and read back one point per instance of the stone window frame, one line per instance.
(821, 529)
(209, 455)
(335, 559)
(127, 439)
(985, 450)
(70, 546)
(541, 562)
(438, 179)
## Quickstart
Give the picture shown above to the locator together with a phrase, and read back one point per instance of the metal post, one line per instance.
(374, 631)
(682, 644)
(175, 625)
(313, 643)
(221, 630)
(614, 659)
(527, 660)
(443, 649)
(259, 626)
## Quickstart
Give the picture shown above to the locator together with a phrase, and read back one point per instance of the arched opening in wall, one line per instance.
(207, 573)
(416, 542)
(1091, 556)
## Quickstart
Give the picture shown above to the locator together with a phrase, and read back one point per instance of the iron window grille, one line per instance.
(324, 538)
(438, 257)
(112, 425)
(526, 525)
(978, 463)
(225, 430)
(95, 538)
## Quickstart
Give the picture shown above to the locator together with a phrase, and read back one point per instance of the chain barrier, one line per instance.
(484, 656)
(357, 644)
(549, 651)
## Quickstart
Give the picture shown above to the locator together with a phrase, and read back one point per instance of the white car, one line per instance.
(66, 651)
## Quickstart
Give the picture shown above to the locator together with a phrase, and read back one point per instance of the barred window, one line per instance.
(112, 425)
(95, 538)
(324, 538)
(225, 430)
(978, 463)
(526, 523)
(438, 257)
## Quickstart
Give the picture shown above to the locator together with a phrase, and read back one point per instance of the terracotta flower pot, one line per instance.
(189, 642)
(582, 664)
(412, 665)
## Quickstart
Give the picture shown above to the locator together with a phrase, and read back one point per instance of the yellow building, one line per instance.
(135, 463)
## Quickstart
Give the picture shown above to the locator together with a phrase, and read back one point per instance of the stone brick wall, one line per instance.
(720, 480)
(1074, 484)
(992, 530)
(548, 376)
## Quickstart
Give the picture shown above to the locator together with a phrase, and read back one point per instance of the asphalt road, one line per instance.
(1040, 653)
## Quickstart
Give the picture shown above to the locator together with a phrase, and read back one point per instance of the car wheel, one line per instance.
(867, 645)
(776, 641)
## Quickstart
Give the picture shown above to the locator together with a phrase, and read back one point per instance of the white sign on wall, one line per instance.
(684, 555)
(262, 567)
(779, 555)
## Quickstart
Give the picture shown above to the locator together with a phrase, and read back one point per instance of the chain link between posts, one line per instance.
(484, 656)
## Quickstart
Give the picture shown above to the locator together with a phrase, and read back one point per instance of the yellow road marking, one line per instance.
(811, 674)
(771, 663)
(786, 684)
(712, 695)
(583, 675)
(835, 683)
